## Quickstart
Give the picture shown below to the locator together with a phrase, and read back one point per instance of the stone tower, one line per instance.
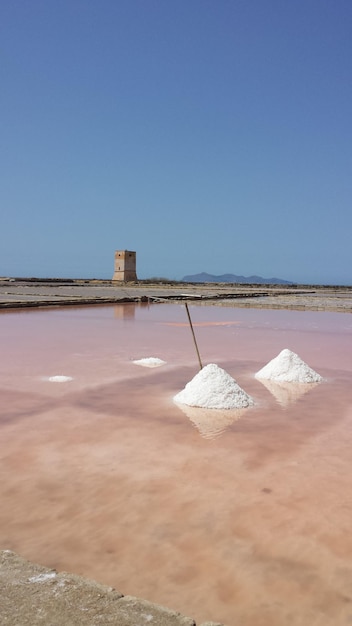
(125, 265)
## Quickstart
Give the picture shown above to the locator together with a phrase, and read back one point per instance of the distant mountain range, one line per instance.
(233, 278)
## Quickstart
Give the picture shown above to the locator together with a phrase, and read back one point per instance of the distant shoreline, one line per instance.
(167, 282)
(22, 293)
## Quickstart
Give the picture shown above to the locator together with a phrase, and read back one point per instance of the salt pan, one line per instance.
(213, 388)
(150, 362)
(288, 367)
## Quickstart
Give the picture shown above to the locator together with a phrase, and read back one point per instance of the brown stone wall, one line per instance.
(125, 266)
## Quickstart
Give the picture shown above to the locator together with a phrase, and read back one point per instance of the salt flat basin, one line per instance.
(246, 519)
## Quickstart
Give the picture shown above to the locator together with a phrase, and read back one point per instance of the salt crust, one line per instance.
(42, 578)
(288, 367)
(60, 379)
(213, 388)
(150, 362)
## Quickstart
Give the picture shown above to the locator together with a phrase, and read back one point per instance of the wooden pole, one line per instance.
(194, 337)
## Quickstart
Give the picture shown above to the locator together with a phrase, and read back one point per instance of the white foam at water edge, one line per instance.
(213, 388)
(289, 367)
(59, 379)
(150, 361)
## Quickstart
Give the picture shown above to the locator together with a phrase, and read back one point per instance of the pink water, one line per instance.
(241, 517)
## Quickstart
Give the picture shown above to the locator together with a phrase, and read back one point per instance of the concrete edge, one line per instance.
(33, 595)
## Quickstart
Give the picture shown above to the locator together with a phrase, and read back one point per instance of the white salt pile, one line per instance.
(60, 379)
(289, 367)
(213, 388)
(150, 362)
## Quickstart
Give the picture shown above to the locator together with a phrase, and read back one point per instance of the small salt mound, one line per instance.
(150, 362)
(60, 379)
(289, 367)
(213, 388)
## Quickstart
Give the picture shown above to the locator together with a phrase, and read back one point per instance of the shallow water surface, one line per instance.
(235, 516)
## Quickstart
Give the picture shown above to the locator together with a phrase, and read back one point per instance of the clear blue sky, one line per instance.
(207, 135)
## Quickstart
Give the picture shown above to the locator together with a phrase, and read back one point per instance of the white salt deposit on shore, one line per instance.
(42, 578)
(59, 379)
(150, 361)
(213, 388)
(289, 367)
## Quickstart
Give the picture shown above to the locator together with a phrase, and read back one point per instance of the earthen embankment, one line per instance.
(33, 595)
(24, 293)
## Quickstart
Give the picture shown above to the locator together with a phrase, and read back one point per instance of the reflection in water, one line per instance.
(286, 393)
(125, 312)
(211, 423)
